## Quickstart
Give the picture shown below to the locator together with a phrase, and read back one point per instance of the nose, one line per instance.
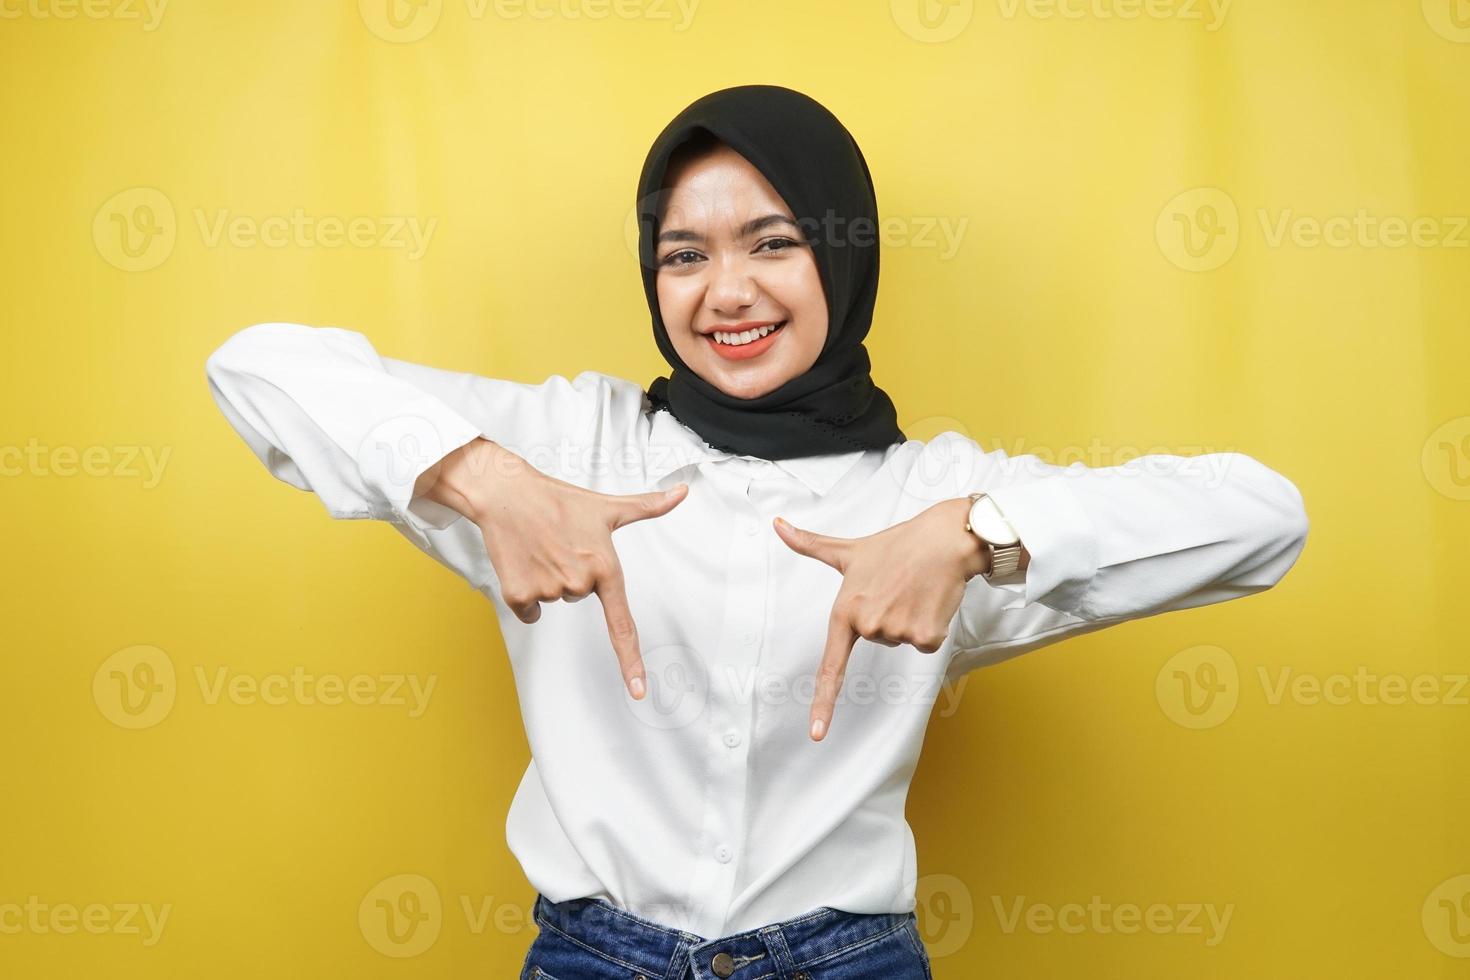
(731, 290)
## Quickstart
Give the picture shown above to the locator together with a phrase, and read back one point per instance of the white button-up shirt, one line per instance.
(706, 806)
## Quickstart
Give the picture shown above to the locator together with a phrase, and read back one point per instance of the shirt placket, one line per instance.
(732, 697)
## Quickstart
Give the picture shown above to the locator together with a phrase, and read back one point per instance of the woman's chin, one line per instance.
(746, 382)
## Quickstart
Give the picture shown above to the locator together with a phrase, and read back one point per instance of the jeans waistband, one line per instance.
(778, 949)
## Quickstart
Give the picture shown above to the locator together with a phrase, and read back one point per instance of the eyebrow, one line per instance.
(749, 228)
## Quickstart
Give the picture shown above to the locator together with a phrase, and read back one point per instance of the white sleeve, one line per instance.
(326, 413)
(1108, 544)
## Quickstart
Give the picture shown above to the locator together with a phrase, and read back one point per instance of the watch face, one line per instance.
(986, 521)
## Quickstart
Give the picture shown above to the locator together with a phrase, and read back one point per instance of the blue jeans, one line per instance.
(590, 939)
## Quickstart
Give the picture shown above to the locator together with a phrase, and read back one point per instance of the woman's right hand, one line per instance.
(546, 538)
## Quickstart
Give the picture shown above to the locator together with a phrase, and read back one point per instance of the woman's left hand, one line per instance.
(901, 585)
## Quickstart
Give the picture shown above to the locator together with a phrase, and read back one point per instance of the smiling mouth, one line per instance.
(723, 339)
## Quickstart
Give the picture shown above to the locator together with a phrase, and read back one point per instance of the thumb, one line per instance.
(631, 507)
(831, 551)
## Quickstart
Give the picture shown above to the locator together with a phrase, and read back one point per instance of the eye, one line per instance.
(782, 244)
(673, 258)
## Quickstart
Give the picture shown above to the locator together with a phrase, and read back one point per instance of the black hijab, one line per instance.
(813, 162)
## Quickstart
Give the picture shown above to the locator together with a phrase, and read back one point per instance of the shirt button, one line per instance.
(749, 639)
(749, 525)
(722, 854)
(732, 738)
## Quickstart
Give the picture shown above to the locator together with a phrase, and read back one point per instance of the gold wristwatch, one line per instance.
(996, 535)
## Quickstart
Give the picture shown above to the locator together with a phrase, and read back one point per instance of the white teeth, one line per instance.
(745, 337)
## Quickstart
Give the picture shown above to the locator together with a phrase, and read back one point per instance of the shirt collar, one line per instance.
(674, 446)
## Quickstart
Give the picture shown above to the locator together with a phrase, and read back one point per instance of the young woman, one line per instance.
(723, 742)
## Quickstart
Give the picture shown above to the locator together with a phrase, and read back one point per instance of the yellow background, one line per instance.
(1076, 145)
